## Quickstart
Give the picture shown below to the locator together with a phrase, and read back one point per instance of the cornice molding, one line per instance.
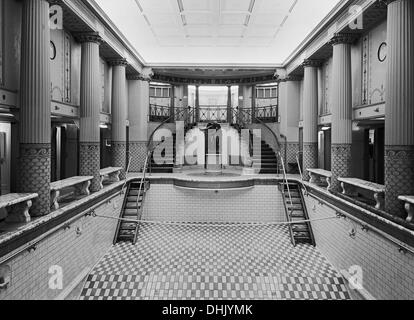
(344, 38)
(291, 78)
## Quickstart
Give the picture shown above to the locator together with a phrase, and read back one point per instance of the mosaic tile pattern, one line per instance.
(138, 154)
(310, 158)
(90, 163)
(209, 262)
(34, 175)
(399, 177)
(341, 164)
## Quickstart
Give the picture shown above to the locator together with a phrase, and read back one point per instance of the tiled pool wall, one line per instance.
(387, 272)
(260, 204)
(67, 249)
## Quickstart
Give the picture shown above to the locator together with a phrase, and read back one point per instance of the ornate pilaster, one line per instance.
(90, 106)
(138, 102)
(310, 116)
(119, 114)
(341, 108)
(229, 105)
(399, 114)
(35, 126)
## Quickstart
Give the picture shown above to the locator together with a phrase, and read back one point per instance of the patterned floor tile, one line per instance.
(179, 262)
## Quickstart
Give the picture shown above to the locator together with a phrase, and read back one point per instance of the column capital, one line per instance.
(344, 38)
(386, 2)
(311, 63)
(291, 78)
(118, 62)
(83, 37)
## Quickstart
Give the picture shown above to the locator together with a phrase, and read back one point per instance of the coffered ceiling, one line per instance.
(216, 31)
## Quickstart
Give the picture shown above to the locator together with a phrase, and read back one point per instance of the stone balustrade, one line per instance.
(111, 174)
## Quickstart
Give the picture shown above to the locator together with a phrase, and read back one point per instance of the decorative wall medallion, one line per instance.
(382, 52)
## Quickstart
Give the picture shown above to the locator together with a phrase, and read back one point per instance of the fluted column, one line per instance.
(310, 116)
(399, 115)
(138, 106)
(197, 104)
(119, 114)
(35, 124)
(229, 109)
(90, 106)
(341, 102)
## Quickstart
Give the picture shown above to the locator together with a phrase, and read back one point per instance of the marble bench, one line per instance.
(17, 206)
(112, 173)
(316, 174)
(409, 206)
(377, 189)
(81, 185)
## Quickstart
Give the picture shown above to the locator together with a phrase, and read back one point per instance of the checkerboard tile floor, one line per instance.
(179, 262)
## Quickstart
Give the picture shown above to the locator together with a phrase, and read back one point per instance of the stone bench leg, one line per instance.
(313, 178)
(83, 189)
(379, 198)
(19, 213)
(101, 181)
(54, 196)
(328, 181)
(410, 210)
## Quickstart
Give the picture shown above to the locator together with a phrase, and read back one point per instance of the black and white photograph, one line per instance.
(206, 159)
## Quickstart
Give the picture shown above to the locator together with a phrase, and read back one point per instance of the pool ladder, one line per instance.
(296, 211)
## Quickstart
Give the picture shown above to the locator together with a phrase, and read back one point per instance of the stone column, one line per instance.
(119, 114)
(310, 116)
(341, 101)
(172, 103)
(90, 106)
(138, 106)
(35, 123)
(254, 94)
(229, 109)
(399, 115)
(197, 104)
(289, 109)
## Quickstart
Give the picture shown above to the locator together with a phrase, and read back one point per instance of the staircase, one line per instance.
(296, 211)
(268, 161)
(131, 209)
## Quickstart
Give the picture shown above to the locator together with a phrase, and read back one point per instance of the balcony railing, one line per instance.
(218, 114)
(159, 113)
(213, 114)
(268, 114)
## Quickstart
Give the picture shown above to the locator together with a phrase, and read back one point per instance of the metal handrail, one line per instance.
(142, 188)
(301, 173)
(126, 175)
(285, 178)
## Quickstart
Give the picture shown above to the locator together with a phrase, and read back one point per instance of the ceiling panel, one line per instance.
(266, 19)
(233, 18)
(198, 31)
(231, 31)
(196, 5)
(228, 42)
(201, 41)
(257, 41)
(172, 41)
(267, 6)
(198, 18)
(235, 5)
(260, 31)
(156, 19)
(164, 31)
(158, 6)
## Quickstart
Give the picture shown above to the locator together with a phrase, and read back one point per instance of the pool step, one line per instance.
(127, 230)
(301, 232)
